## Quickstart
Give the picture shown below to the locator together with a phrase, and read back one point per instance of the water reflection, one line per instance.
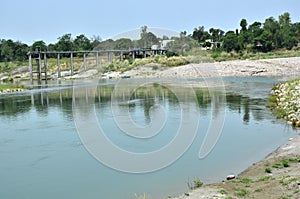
(145, 97)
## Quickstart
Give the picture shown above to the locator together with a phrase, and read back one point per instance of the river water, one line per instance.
(48, 133)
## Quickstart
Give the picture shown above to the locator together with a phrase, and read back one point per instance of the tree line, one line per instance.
(264, 37)
(257, 37)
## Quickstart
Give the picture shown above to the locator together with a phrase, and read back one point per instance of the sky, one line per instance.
(33, 20)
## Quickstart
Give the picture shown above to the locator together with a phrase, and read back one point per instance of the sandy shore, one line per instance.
(266, 67)
(282, 182)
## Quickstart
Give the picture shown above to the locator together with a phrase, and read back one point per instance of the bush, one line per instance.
(171, 54)
(285, 163)
(197, 183)
(268, 170)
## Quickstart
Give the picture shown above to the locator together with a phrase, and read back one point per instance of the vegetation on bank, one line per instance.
(284, 101)
(7, 88)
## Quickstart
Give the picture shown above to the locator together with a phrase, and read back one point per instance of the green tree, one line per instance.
(123, 44)
(147, 38)
(41, 44)
(182, 44)
(199, 34)
(64, 43)
(7, 50)
(81, 42)
(231, 42)
(286, 35)
(216, 34)
(243, 25)
(255, 30)
(20, 51)
(95, 41)
(105, 45)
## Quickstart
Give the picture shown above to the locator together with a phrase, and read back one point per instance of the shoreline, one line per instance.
(256, 182)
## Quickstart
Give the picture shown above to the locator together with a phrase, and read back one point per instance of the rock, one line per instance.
(230, 177)
(22, 69)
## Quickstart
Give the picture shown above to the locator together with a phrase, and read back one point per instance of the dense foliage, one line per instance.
(270, 35)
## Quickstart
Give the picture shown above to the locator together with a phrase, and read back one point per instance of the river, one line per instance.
(50, 147)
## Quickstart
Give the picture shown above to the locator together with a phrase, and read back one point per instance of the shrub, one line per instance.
(197, 183)
(285, 163)
(268, 170)
(223, 192)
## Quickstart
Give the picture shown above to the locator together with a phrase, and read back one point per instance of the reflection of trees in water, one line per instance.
(246, 106)
(14, 105)
(147, 96)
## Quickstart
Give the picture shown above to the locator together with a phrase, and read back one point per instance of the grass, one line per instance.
(281, 53)
(245, 181)
(264, 178)
(9, 87)
(196, 184)
(241, 192)
(162, 60)
(223, 192)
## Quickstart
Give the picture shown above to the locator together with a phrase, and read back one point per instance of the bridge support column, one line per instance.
(72, 64)
(84, 61)
(97, 58)
(110, 57)
(58, 66)
(30, 68)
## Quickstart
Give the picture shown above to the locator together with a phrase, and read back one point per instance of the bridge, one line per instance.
(40, 67)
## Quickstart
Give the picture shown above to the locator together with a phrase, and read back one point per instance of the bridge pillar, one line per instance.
(45, 67)
(58, 66)
(84, 61)
(110, 57)
(97, 58)
(72, 64)
(30, 68)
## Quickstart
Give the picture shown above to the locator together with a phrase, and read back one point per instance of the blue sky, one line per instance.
(32, 20)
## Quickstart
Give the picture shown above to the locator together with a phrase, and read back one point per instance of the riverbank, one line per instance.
(285, 103)
(242, 68)
(276, 176)
(266, 67)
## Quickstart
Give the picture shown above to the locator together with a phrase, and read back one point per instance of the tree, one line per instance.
(243, 25)
(255, 30)
(105, 45)
(216, 34)
(64, 43)
(41, 44)
(123, 44)
(95, 41)
(286, 34)
(7, 50)
(81, 42)
(231, 42)
(147, 38)
(182, 43)
(20, 52)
